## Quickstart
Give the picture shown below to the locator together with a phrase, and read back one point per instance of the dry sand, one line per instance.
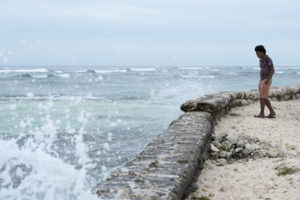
(257, 178)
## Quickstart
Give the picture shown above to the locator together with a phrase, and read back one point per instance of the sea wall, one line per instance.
(171, 162)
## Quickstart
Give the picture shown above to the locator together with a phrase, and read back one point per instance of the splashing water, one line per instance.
(31, 166)
(63, 130)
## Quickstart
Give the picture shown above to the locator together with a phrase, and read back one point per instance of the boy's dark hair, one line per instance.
(260, 48)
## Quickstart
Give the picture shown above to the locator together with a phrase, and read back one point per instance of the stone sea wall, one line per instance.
(171, 162)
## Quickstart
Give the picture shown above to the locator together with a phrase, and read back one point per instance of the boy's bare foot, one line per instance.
(271, 115)
(260, 116)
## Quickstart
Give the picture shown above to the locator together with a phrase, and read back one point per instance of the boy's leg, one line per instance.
(265, 94)
(261, 100)
(262, 106)
(268, 104)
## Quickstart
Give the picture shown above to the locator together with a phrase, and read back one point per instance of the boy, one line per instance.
(266, 73)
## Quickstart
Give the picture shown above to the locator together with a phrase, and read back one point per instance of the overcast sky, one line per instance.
(148, 32)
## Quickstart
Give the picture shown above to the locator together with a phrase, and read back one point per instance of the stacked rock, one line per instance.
(233, 146)
(222, 101)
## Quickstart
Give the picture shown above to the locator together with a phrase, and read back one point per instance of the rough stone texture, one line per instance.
(234, 146)
(222, 101)
(168, 166)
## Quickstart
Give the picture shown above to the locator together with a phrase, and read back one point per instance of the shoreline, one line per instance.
(170, 164)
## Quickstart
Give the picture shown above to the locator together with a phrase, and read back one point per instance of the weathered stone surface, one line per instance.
(221, 137)
(214, 148)
(240, 146)
(171, 170)
(225, 100)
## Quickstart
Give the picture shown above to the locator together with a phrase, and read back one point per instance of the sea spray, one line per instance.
(31, 168)
(60, 135)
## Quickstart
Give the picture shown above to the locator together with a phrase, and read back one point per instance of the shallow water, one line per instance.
(63, 129)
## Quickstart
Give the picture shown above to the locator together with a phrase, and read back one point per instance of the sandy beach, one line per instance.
(265, 176)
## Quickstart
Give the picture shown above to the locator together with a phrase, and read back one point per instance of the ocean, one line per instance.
(64, 129)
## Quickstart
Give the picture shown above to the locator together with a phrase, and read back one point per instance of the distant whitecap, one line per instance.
(190, 68)
(279, 72)
(82, 71)
(23, 70)
(110, 71)
(142, 69)
(64, 75)
(40, 76)
(208, 76)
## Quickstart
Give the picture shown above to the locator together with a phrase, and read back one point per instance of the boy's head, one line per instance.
(260, 51)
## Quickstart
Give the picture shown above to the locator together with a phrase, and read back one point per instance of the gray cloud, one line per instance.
(148, 32)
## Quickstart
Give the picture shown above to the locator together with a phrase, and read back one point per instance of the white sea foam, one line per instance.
(190, 68)
(34, 174)
(23, 70)
(143, 69)
(287, 68)
(53, 97)
(64, 75)
(80, 71)
(34, 170)
(101, 71)
(174, 93)
(110, 71)
(207, 76)
(40, 76)
(212, 69)
(279, 72)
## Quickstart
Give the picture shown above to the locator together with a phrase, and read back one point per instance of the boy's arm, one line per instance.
(270, 75)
